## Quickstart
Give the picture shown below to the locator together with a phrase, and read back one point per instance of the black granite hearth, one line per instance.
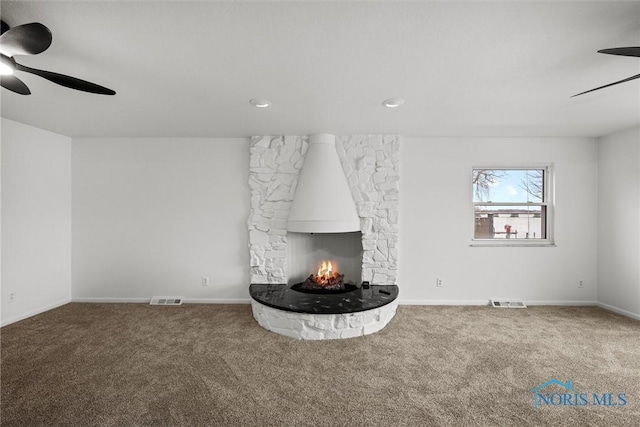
(348, 287)
(282, 297)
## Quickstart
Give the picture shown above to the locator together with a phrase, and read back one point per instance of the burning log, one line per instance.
(334, 281)
(326, 279)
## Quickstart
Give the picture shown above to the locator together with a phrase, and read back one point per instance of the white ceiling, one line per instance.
(188, 69)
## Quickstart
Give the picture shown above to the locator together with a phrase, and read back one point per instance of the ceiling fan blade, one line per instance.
(27, 39)
(67, 81)
(3, 27)
(610, 84)
(14, 84)
(623, 51)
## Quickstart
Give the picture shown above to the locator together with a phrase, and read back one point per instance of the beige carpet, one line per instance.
(134, 364)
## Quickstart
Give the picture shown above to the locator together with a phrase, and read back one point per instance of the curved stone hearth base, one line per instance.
(308, 326)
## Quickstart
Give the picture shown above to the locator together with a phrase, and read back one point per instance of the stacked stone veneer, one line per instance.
(306, 326)
(371, 165)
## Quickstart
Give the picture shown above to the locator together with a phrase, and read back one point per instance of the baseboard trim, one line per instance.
(486, 302)
(620, 311)
(217, 301)
(562, 303)
(35, 312)
(441, 302)
(112, 300)
(148, 300)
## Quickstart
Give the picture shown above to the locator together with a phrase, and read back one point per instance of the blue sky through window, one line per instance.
(509, 186)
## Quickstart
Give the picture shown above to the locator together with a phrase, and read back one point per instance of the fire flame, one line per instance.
(326, 272)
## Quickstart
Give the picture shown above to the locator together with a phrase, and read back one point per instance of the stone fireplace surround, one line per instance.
(298, 315)
(371, 166)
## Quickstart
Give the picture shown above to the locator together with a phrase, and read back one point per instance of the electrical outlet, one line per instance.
(438, 282)
(205, 281)
(581, 284)
(12, 297)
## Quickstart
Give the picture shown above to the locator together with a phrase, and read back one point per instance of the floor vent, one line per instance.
(166, 301)
(507, 304)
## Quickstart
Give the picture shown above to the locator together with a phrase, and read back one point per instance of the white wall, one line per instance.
(153, 216)
(436, 223)
(619, 222)
(36, 220)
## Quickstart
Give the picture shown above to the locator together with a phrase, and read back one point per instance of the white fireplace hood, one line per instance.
(322, 202)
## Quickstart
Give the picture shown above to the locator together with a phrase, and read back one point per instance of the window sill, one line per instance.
(512, 244)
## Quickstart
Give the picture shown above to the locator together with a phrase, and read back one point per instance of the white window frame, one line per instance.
(548, 201)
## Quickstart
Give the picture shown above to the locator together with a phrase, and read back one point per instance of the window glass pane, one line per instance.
(510, 222)
(508, 185)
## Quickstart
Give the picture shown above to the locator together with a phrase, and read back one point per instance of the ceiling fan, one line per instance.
(622, 51)
(31, 39)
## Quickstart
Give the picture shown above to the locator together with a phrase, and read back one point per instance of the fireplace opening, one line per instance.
(327, 280)
(307, 252)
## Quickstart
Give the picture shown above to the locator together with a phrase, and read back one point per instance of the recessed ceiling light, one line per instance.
(260, 102)
(393, 102)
